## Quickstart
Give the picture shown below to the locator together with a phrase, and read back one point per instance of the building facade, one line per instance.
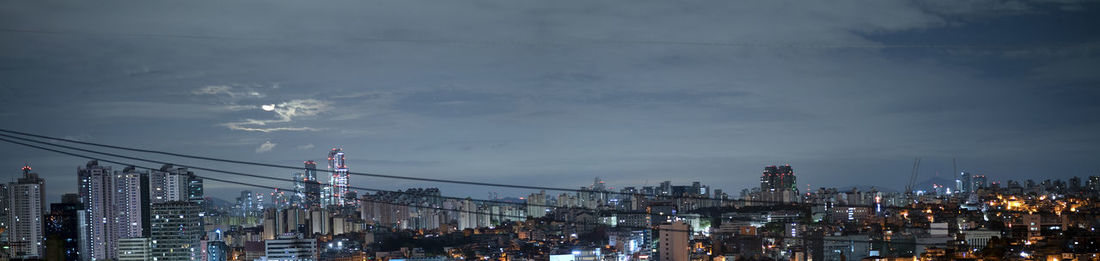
(27, 205)
(177, 231)
(292, 248)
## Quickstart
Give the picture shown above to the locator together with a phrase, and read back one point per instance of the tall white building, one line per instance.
(97, 188)
(25, 227)
(132, 203)
(339, 179)
(536, 204)
(172, 183)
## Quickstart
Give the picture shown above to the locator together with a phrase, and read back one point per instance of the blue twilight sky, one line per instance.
(556, 93)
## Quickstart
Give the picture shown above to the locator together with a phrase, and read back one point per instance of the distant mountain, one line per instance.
(867, 188)
(219, 202)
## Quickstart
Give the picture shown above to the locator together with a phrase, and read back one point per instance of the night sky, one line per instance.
(555, 93)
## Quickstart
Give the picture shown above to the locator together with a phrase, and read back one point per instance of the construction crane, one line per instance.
(912, 178)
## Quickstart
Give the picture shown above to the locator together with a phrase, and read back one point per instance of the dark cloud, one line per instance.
(556, 92)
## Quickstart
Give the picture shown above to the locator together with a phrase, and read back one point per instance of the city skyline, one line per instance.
(562, 130)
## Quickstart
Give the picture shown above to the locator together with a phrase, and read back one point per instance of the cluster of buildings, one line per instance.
(163, 214)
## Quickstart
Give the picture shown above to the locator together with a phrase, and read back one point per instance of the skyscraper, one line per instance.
(132, 197)
(176, 231)
(309, 188)
(778, 178)
(979, 182)
(962, 183)
(116, 206)
(97, 193)
(339, 178)
(778, 184)
(25, 226)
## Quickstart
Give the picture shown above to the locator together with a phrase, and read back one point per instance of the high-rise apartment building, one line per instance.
(339, 180)
(172, 183)
(177, 231)
(115, 206)
(25, 226)
(778, 184)
(97, 188)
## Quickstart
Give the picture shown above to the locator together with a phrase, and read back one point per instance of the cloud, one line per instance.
(232, 92)
(160, 110)
(305, 147)
(284, 113)
(265, 147)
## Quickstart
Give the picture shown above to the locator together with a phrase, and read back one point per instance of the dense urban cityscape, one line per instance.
(128, 213)
(550, 130)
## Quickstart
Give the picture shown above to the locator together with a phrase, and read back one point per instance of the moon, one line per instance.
(268, 107)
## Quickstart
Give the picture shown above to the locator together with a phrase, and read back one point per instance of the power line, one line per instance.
(297, 168)
(432, 207)
(829, 204)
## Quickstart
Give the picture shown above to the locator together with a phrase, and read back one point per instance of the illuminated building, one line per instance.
(132, 195)
(963, 184)
(97, 194)
(308, 187)
(27, 198)
(339, 178)
(134, 249)
(291, 248)
(177, 231)
(115, 206)
(778, 184)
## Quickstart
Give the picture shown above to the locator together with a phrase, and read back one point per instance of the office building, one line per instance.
(339, 180)
(177, 231)
(134, 249)
(291, 248)
(25, 226)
